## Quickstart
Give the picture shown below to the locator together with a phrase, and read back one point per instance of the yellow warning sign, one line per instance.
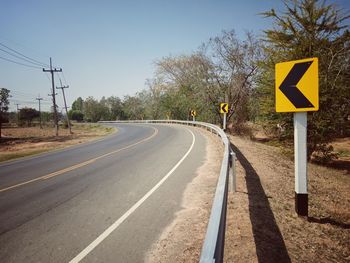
(223, 107)
(297, 85)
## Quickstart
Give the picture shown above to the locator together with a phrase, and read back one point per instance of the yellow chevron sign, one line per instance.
(223, 107)
(297, 85)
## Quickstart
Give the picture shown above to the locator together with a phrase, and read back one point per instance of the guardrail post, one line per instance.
(233, 169)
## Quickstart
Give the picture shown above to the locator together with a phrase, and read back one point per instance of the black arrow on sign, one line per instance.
(223, 108)
(289, 86)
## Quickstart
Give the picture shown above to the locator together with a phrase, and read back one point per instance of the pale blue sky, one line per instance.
(109, 47)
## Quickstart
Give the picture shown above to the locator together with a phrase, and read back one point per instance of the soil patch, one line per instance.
(20, 142)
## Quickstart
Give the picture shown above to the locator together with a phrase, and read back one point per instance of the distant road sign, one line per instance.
(193, 113)
(223, 107)
(297, 85)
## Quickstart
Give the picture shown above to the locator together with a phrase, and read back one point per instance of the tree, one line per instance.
(46, 116)
(4, 102)
(224, 69)
(28, 114)
(308, 28)
(104, 109)
(133, 108)
(182, 86)
(76, 115)
(92, 112)
(115, 107)
(78, 104)
(233, 67)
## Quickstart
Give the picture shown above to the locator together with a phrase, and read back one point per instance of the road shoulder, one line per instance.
(23, 143)
(182, 240)
(262, 225)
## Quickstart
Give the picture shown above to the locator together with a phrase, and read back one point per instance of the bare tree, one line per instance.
(233, 68)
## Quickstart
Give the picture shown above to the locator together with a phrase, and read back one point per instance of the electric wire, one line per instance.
(24, 97)
(64, 78)
(19, 63)
(46, 74)
(28, 102)
(34, 60)
(26, 60)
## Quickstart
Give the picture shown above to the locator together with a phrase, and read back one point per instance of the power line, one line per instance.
(28, 102)
(43, 64)
(26, 60)
(46, 74)
(15, 93)
(64, 78)
(19, 63)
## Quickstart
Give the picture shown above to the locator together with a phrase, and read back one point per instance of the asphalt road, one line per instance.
(105, 201)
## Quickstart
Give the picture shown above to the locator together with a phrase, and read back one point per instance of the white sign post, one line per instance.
(300, 163)
(224, 122)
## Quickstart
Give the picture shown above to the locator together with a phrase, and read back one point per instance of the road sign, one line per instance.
(223, 107)
(297, 85)
(193, 113)
(297, 91)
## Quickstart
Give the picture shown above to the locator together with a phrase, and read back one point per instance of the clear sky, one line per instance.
(108, 48)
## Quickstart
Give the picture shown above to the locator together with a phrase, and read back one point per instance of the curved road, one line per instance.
(105, 201)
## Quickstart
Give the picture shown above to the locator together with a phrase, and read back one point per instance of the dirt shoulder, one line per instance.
(182, 240)
(262, 224)
(20, 142)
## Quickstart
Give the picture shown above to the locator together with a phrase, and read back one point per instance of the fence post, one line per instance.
(233, 169)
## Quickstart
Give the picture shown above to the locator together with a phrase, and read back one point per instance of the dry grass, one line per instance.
(21, 142)
(262, 223)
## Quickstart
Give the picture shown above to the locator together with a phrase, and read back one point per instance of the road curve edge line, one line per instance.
(121, 219)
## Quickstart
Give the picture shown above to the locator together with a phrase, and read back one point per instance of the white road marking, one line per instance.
(79, 165)
(117, 223)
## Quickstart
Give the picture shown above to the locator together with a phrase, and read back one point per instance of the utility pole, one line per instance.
(52, 71)
(17, 104)
(39, 99)
(65, 104)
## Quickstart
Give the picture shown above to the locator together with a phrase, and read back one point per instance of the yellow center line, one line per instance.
(79, 165)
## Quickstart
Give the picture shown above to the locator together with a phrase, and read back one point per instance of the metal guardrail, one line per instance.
(213, 247)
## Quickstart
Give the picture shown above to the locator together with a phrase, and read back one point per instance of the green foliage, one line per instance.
(76, 115)
(134, 108)
(77, 105)
(115, 108)
(308, 28)
(4, 102)
(26, 115)
(92, 110)
(46, 116)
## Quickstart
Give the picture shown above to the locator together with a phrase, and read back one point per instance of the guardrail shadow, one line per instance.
(269, 243)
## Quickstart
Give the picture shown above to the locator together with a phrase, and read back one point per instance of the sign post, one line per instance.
(224, 110)
(193, 114)
(300, 163)
(297, 91)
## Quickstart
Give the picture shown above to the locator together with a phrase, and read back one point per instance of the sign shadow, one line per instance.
(269, 243)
